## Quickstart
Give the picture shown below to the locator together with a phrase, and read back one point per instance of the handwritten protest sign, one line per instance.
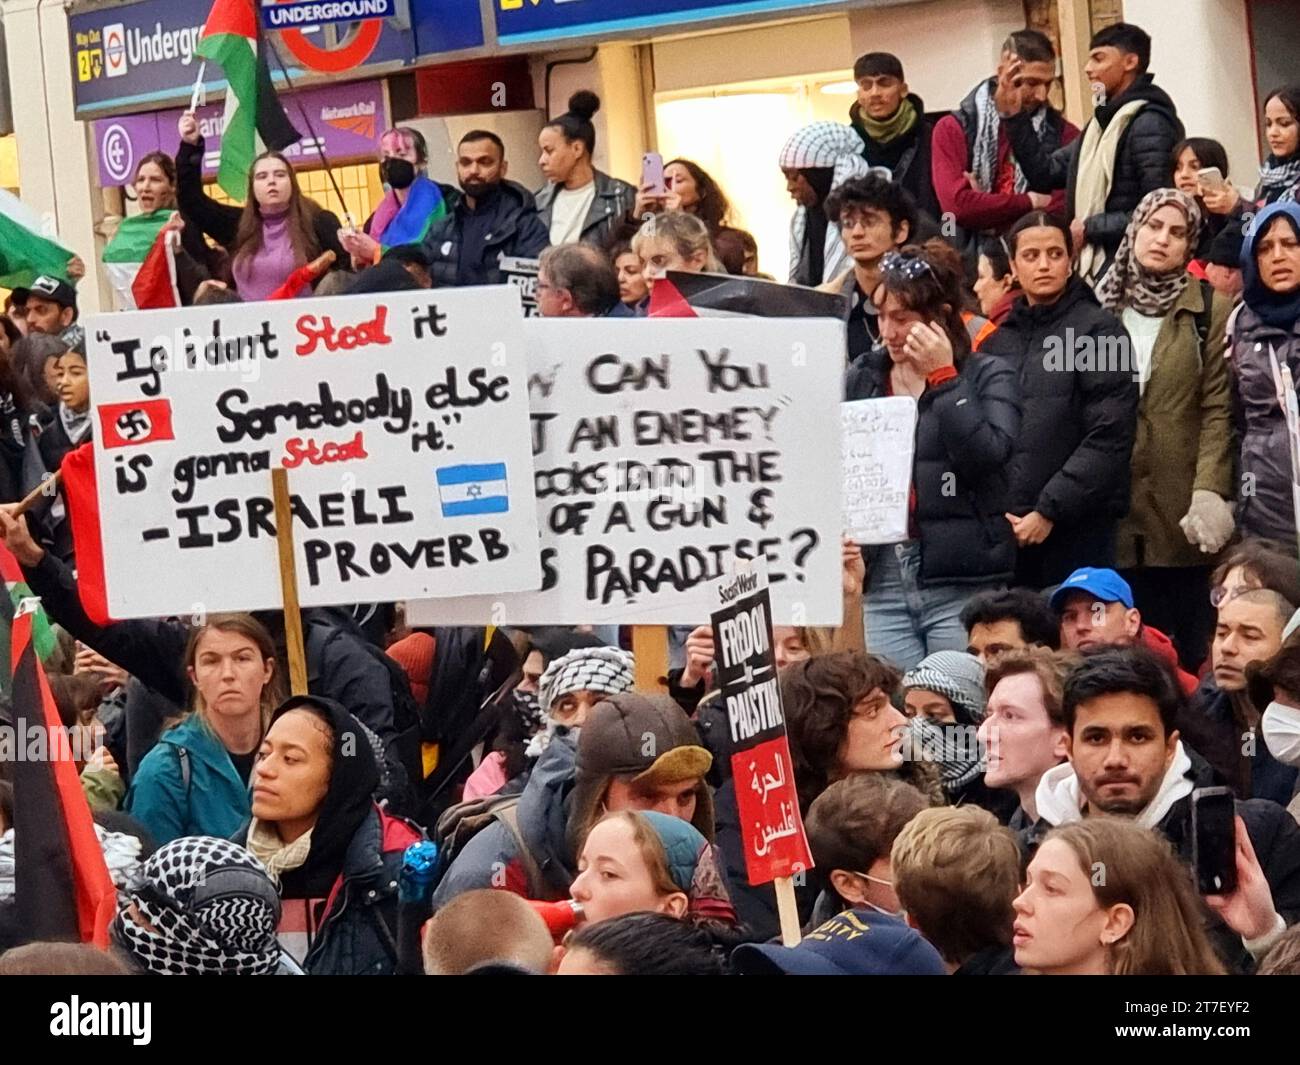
(662, 449)
(879, 438)
(766, 799)
(402, 418)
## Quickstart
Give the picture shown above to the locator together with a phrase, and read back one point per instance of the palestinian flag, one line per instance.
(687, 295)
(232, 38)
(62, 887)
(24, 253)
(134, 244)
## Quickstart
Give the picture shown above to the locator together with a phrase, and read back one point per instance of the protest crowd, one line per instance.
(1077, 649)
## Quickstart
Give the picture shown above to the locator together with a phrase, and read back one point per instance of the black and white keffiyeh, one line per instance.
(1277, 174)
(596, 669)
(827, 146)
(984, 153)
(212, 909)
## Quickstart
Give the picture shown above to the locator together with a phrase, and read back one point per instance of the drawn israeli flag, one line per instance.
(473, 489)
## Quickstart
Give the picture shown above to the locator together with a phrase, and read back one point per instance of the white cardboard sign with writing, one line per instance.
(403, 421)
(879, 438)
(663, 448)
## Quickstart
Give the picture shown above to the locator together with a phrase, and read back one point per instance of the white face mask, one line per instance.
(900, 914)
(1281, 728)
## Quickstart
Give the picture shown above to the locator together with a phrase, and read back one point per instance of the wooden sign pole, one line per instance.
(650, 648)
(45, 489)
(788, 910)
(289, 582)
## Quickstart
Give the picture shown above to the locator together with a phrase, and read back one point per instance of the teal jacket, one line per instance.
(215, 802)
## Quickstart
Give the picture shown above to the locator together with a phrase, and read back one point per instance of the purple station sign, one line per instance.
(347, 120)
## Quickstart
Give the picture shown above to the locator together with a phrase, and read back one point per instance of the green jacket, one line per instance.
(215, 802)
(1184, 435)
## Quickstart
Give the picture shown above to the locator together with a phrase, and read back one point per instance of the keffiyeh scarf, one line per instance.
(984, 154)
(1281, 174)
(597, 669)
(203, 919)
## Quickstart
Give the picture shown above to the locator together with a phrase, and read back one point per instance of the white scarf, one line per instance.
(1095, 177)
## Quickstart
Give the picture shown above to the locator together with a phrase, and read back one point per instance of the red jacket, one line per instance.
(973, 209)
(1163, 647)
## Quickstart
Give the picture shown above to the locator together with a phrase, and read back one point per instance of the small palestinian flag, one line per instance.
(232, 38)
(136, 259)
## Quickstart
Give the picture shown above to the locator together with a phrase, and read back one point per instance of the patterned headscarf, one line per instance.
(694, 867)
(1130, 284)
(596, 669)
(212, 908)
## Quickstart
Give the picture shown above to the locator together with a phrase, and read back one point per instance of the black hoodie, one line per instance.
(354, 776)
(1143, 160)
(907, 157)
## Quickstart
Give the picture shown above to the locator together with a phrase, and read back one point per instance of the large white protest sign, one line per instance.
(663, 449)
(401, 417)
(879, 438)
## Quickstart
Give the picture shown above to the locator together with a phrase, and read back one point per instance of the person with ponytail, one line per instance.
(578, 202)
(277, 230)
(968, 413)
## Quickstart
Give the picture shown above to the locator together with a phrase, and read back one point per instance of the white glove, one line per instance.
(1208, 523)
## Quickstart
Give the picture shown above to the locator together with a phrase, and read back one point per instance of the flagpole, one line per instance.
(196, 96)
(320, 144)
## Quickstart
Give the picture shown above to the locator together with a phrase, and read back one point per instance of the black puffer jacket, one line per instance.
(965, 433)
(1142, 160)
(465, 247)
(1071, 460)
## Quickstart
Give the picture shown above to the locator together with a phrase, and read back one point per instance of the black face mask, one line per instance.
(397, 173)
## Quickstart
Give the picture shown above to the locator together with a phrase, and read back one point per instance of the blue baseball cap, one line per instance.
(853, 943)
(1103, 584)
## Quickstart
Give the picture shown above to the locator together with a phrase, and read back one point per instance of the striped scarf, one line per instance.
(1280, 174)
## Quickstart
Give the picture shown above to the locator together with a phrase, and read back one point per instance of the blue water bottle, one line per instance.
(414, 895)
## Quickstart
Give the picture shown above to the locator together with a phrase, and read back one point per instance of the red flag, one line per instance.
(78, 476)
(141, 421)
(304, 275)
(155, 283)
(666, 301)
(62, 887)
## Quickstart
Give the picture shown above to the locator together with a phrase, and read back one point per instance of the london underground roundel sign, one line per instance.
(349, 54)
